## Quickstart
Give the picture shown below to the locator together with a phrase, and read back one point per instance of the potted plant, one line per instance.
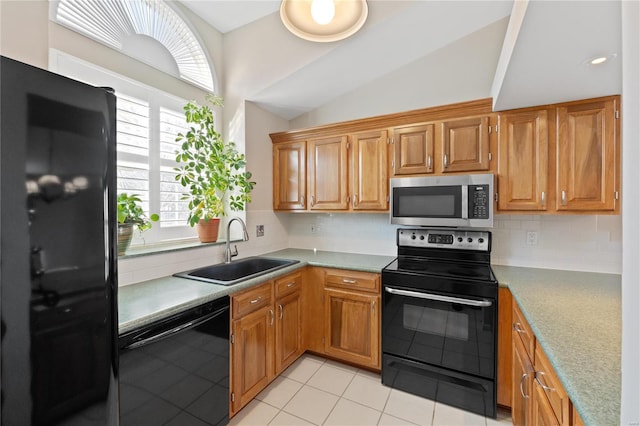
(211, 169)
(130, 214)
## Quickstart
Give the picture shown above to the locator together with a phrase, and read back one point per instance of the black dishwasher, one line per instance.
(176, 371)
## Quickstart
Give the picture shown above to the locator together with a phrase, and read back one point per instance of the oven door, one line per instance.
(444, 330)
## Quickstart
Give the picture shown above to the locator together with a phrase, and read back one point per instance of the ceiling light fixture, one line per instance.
(600, 59)
(323, 20)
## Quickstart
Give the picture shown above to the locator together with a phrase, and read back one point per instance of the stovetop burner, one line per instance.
(441, 268)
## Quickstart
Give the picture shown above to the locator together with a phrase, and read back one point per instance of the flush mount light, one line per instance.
(323, 20)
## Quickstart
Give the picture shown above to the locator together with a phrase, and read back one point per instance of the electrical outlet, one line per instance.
(532, 238)
(259, 230)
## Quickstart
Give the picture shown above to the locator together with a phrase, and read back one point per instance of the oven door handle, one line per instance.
(439, 298)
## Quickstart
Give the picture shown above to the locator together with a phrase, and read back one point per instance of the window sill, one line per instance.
(173, 246)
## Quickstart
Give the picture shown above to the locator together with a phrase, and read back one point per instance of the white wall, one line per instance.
(630, 404)
(460, 71)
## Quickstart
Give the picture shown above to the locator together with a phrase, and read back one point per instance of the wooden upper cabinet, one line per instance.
(327, 173)
(413, 149)
(523, 151)
(587, 161)
(369, 180)
(289, 176)
(465, 144)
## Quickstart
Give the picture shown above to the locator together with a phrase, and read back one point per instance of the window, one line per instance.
(148, 121)
(123, 25)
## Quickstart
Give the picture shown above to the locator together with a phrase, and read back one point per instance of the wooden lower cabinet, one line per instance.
(288, 337)
(504, 355)
(331, 312)
(523, 372)
(252, 365)
(352, 327)
(538, 397)
(266, 336)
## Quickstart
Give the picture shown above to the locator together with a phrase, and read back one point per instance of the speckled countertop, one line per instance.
(148, 301)
(576, 317)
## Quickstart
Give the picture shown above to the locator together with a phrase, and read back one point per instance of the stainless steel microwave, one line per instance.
(451, 201)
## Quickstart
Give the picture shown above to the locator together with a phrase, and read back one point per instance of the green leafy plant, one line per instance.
(211, 169)
(130, 211)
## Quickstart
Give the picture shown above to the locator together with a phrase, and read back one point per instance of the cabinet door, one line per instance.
(587, 156)
(289, 176)
(327, 167)
(504, 347)
(551, 388)
(352, 327)
(522, 388)
(465, 145)
(542, 413)
(413, 150)
(288, 330)
(251, 356)
(523, 150)
(369, 182)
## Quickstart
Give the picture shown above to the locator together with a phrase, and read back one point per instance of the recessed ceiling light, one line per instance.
(600, 59)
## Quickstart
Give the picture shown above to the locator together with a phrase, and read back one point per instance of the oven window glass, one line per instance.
(452, 325)
(443, 334)
(428, 202)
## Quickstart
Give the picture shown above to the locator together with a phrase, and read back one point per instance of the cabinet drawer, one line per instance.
(288, 284)
(251, 300)
(521, 328)
(353, 280)
(547, 380)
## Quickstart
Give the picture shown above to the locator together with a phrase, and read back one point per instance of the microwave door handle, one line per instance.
(465, 202)
(439, 298)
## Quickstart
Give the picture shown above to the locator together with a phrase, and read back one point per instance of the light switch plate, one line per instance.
(259, 230)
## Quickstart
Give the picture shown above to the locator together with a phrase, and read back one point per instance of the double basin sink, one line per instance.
(236, 271)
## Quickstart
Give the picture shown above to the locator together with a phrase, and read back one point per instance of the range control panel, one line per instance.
(444, 238)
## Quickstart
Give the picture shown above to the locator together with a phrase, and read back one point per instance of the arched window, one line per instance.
(126, 26)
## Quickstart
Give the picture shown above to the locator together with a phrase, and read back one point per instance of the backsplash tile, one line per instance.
(573, 242)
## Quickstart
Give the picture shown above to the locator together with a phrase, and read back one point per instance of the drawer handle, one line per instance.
(291, 284)
(563, 198)
(518, 328)
(428, 162)
(281, 311)
(545, 387)
(348, 281)
(272, 316)
(524, 376)
(254, 301)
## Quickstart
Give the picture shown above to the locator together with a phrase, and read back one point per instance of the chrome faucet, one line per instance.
(228, 254)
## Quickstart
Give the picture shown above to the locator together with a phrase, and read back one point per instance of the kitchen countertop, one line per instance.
(576, 317)
(148, 301)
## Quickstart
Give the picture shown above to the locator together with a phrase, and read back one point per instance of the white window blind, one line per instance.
(147, 121)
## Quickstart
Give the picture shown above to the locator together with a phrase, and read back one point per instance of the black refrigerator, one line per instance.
(58, 349)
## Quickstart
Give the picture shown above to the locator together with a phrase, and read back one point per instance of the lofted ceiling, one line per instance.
(544, 58)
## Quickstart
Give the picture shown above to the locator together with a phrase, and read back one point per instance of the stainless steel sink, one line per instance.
(236, 271)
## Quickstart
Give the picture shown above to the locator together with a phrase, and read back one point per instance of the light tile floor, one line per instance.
(315, 391)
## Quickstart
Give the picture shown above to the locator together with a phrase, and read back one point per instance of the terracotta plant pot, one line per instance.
(208, 231)
(125, 232)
